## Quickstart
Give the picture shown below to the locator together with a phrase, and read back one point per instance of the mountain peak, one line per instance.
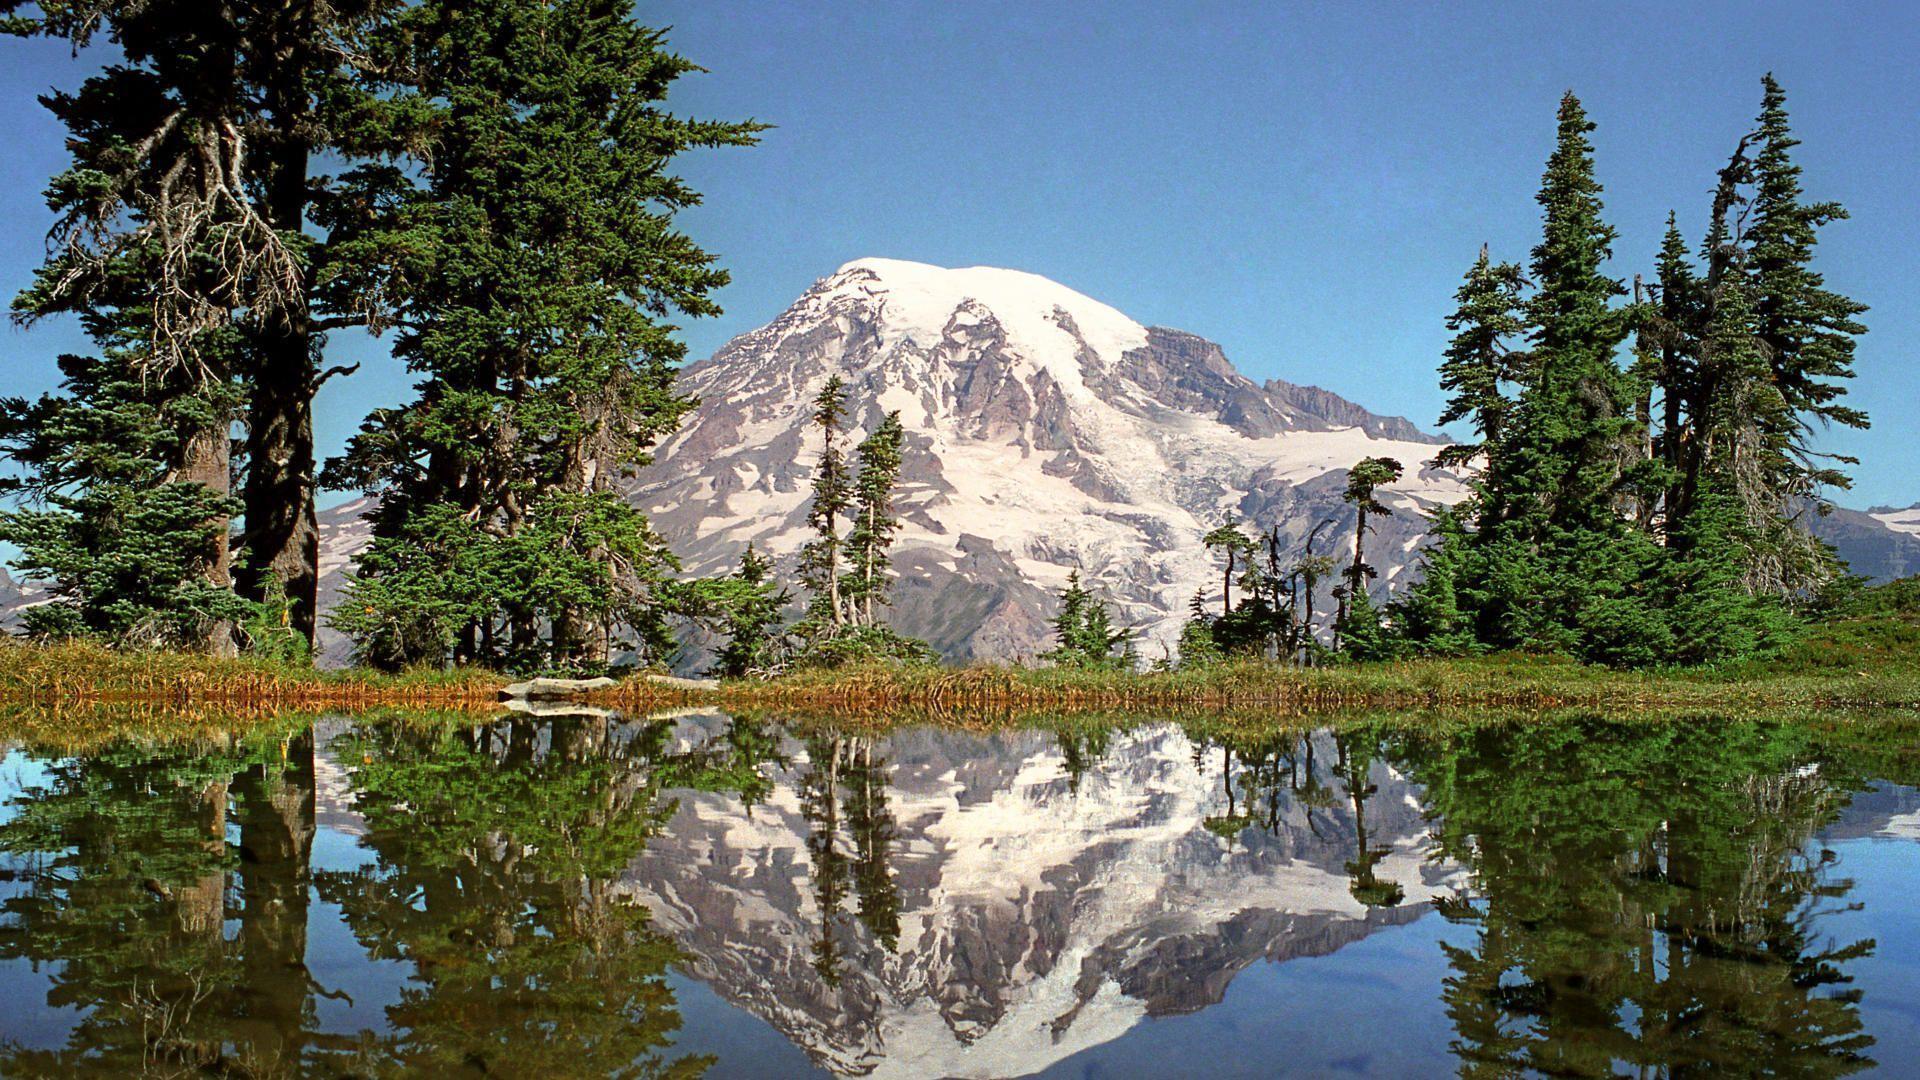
(922, 302)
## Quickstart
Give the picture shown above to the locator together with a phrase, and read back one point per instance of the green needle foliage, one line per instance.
(847, 573)
(1084, 634)
(744, 608)
(1646, 512)
(115, 516)
(532, 267)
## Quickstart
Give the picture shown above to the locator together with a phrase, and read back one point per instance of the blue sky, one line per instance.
(1302, 183)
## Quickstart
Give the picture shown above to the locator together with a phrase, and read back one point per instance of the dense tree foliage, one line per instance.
(1647, 511)
(1084, 635)
(531, 267)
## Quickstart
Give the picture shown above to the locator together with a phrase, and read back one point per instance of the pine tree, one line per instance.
(1237, 549)
(744, 607)
(532, 266)
(832, 495)
(1431, 612)
(1666, 340)
(1480, 362)
(874, 520)
(1548, 556)
(1808, 329)
(191, 159)
(1197, 646)
(131, 543)
(1363, 480)
(1084, 634)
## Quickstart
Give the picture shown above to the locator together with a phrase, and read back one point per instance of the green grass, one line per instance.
(1867, 661)
(83, 671)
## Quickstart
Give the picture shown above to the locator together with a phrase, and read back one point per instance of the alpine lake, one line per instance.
(702, 894)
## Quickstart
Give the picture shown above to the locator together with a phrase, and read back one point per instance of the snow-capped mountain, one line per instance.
(1047, 432)
(1035, 918)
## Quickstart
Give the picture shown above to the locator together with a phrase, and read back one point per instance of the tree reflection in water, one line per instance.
(1639, 897)
(843, 796)
(497, 850)
(1643, 897)
(129, 866)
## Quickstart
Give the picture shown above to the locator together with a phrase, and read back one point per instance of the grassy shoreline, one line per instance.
(1871, 662)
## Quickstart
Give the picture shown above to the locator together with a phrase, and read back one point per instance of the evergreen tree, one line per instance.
(1363, 480)
(1084, 635)
(1237, 549)
(1431, 611)
(1551, 563)
(874, 520)
(745, 608)
(1480, 362)
(191, 163)
(532, 267)
(1197, 645)
(1808, 329)
(832, 495)
(132, 545)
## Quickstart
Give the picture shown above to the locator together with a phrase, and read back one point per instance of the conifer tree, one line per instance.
(131, 541)
(1553, 561)
(1237, 549)
(744, 607)
(1197, 645)
(1084, 634)
(1808, 329)
(874, 519)
(832, 495)
(532, 265)
(1363, 480)
(1480, 361)
(192, 157)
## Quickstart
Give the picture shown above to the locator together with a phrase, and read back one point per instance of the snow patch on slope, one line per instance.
(1905, 521)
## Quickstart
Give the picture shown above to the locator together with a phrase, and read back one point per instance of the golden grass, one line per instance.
(1867, 663)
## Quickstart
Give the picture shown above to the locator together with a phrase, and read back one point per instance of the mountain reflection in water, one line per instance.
(703, 894)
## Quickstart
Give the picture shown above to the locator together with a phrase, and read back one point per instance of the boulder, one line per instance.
(535, 689)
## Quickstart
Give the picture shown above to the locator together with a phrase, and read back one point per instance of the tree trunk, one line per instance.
(207, 460)
(282, 536)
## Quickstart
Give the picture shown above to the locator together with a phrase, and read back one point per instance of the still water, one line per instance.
(699, 894)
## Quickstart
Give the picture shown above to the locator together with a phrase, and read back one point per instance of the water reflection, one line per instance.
(1648, 902)
(408, 895)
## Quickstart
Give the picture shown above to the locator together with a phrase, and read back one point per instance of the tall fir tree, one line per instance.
(832, 496)
(1481, 362)
(869, 570)
(1364, 480)
(194, 155)
(1808, 329)
(1555, 564)
(533, 266)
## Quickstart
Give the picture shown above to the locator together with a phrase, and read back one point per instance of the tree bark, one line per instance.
(206, 459)
(282, 535)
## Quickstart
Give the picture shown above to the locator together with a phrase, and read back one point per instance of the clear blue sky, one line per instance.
(1302, 183)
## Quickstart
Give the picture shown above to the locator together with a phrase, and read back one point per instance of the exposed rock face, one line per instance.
(1881, 544)
(1034, 918)
(1047, 432)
